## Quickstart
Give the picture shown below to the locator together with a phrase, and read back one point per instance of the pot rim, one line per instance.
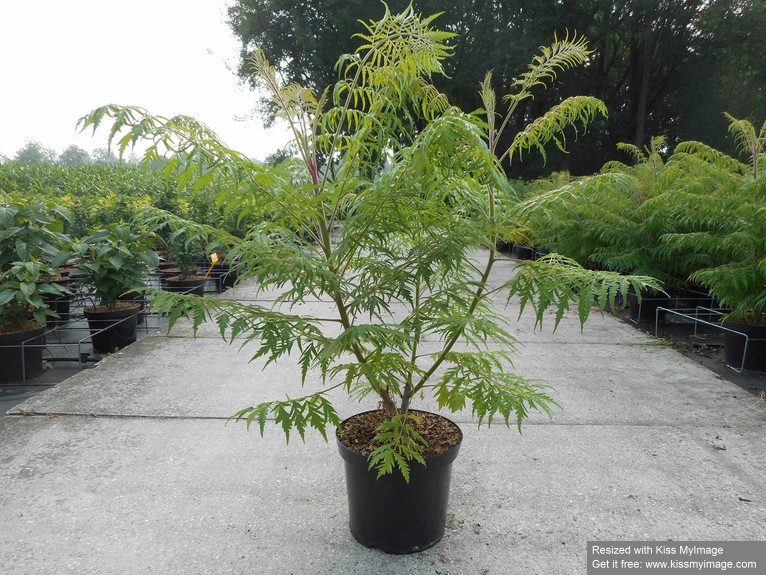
(35, 332)
(744, 325)
(126, 308)
(187, 279)
(442, 459)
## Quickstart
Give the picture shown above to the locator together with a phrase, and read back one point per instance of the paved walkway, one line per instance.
(131, 468)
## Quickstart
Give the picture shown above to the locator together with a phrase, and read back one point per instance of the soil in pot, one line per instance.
(21, 353)
(112, 328)
(388, 513)
(186, 284)
(170, 270)
(734, 345)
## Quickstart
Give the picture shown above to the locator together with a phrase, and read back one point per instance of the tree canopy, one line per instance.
(663, 67)
(74, 155)
(34, 153)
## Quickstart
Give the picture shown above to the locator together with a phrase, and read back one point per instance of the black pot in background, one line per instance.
(504, 247)
(392, 515)
(224, 275)
(112, 329)
(61, 304)
(17, 363)
(170, 269)
(523, 252)
(734, 345)
(140, 299)
(645, 311)
(166, 265)
(186, 285)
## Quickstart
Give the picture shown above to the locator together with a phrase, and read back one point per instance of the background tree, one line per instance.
(104, 156)
(729, 74)
(74, 155)
(282, 154)
(34, 153)
(663, 67)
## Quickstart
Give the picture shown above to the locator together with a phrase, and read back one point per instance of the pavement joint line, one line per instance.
(521, 341)
(680, 425)
(24, 413)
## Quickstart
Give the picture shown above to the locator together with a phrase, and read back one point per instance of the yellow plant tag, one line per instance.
(214, 258)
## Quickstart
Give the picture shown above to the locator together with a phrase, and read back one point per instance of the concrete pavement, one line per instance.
(131, 467)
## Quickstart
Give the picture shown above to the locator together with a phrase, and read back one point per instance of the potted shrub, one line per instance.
(31, 242)
(187, 241)
(389, 216)
(114, 261)
(184, 278)
(186, 249)
(729, 223)
(23, 317)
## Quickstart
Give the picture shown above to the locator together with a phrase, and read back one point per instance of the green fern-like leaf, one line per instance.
(557, 281)
(313, 411)
(399, 443)
(574, 111)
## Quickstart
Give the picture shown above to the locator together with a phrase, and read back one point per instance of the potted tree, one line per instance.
(187, 250)
(113, 261)
(389, 216)
(31, 242)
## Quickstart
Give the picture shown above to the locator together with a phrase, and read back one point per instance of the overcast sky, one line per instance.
(63, 58)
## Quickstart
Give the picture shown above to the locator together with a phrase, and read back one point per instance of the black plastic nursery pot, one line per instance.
(186, 285)
(225, 276)
(112, 329)
(140, 299)
(645, 311)
(734, 345)
(523, 252)
(60, 304)
(390, 514)
(21, 354)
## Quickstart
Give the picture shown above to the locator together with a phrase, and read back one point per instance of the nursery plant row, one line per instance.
(694, 218)
(50, 281)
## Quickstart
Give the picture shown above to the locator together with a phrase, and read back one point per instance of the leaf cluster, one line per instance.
(399, 444)
(23, 288)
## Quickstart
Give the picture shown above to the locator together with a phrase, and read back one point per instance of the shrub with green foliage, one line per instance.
(32, 244)
(97, 195)
(114, 260)
(726, 224)
(698, 216)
